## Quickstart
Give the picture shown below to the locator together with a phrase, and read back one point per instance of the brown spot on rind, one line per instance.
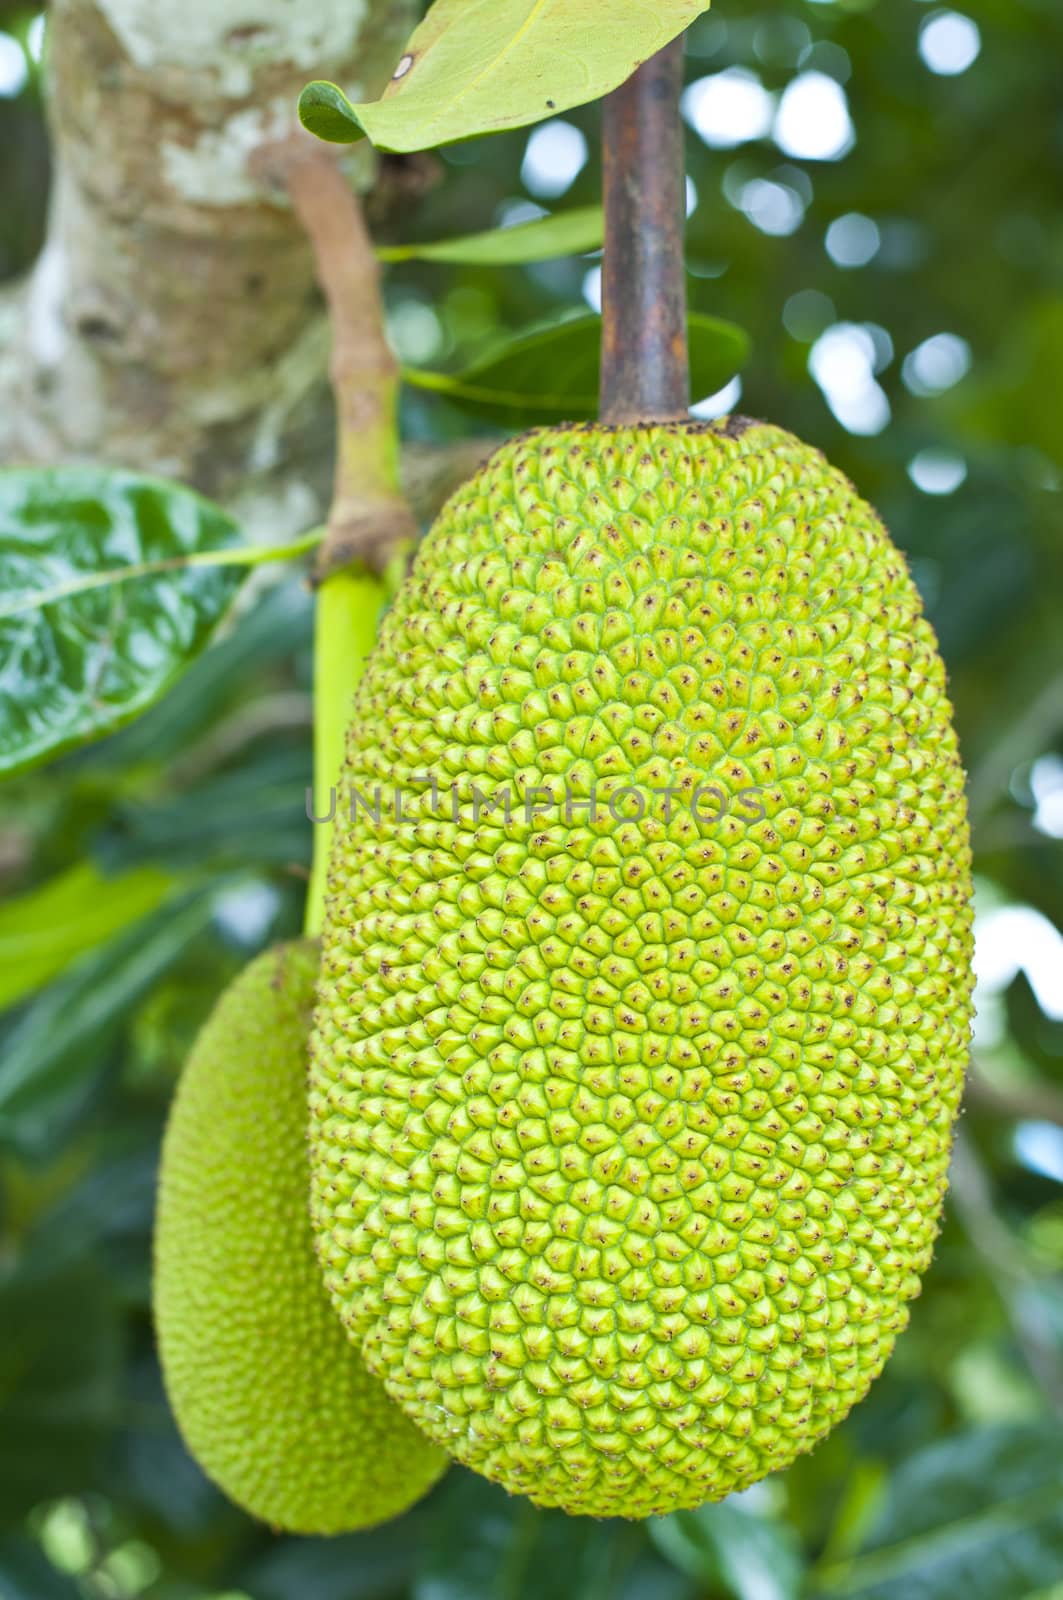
(734, 427)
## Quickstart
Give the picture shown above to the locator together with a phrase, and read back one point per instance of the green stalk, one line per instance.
(370, 525)
(345, 622)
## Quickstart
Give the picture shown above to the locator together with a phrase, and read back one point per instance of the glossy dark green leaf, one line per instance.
(550, 374)
(279, 625)
(566, 233)
(53, 1056)
(81, 653)
(979, 1515)
(745, 1555)
(44, 930)
(478, 66)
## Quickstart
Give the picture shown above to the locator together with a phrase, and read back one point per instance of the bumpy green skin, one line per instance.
(630, 1139)
(270, 1395)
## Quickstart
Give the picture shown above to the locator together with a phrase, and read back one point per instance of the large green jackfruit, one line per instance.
(270, 1395)
(630, 1126)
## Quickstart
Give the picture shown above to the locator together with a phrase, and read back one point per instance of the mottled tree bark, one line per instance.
(172, 323)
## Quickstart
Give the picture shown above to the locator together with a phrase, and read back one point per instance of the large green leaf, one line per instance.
(278, 626)
(979, 1515)
(478, 66)
(566, 233)
(43, 931)
(550, 374)
(81, 653)
(730, 1547)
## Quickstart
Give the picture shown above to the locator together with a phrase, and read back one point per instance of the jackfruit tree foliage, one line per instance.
(944, 1481)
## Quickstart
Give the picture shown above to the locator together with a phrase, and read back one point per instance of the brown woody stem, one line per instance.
(645, 363)
(369, 521)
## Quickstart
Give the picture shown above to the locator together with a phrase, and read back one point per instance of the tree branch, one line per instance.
(369, 520)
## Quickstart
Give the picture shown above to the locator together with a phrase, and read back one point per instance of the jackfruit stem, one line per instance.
(348, 609)
(645, 373)
(370, 519)
(370, 526)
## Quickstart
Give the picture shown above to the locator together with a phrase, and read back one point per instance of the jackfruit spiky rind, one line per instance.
(270, 1395)
(630, 1137)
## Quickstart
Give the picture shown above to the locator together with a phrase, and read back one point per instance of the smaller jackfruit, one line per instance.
(270, 1396)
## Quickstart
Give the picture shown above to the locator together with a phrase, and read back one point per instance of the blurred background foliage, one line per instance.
(875, 194)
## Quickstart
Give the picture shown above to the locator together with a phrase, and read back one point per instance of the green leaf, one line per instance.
(79, 652)
(566, 233)
(979, 1515)
(278, 626)
(52, 1057)
(250, 816)
(45, 930)
(479, 66)
(728, 1545)
(325, 110)
(550, 374)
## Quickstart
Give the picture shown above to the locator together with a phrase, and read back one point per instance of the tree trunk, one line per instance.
(172, 323)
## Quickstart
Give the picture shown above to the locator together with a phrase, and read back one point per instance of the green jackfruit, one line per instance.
(630, 1124)
(269, 1393)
